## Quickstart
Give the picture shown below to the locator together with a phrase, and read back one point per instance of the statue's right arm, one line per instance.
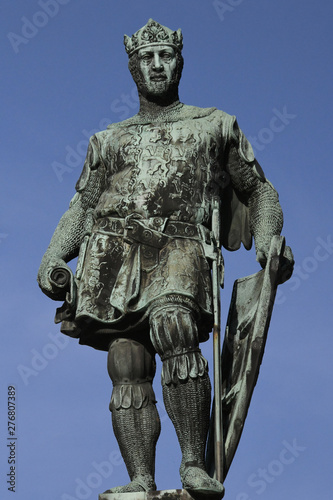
(67, 237)
(258, 194)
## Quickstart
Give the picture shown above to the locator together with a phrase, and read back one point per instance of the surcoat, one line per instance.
(160, 176)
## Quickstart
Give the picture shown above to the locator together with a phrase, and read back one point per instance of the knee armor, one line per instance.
(174, 335)
(131, 368)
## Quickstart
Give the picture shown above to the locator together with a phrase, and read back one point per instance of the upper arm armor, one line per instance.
(91, 182)
(244, 169)
(251, 204)
(92, 162)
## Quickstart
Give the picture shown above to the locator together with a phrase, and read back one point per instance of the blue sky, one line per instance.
(64, 75)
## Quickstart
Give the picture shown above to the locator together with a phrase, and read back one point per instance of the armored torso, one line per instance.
(163, 169)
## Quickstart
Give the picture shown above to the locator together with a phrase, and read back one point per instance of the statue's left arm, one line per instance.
(258, 194)
(68, 235)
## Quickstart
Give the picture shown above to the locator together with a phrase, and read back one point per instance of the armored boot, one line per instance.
(188, 406)
(135, 420)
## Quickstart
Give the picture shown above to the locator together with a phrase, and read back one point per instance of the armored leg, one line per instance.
(135, 419)
(186, 391)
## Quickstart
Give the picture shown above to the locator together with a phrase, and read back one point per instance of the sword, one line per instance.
(217, 279)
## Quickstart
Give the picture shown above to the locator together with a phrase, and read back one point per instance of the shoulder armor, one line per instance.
(92, 162)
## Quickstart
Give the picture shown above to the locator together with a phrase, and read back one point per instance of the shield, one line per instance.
(243, 348)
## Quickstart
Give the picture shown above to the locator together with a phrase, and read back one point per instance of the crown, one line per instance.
(153, 33)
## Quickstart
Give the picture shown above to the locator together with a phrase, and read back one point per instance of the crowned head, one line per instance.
(155, 60)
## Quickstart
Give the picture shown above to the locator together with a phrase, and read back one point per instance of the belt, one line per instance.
(155, 232)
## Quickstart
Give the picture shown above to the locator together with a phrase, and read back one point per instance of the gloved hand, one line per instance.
(287, 264)
(54, 277)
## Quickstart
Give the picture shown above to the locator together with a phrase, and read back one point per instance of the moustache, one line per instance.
(159, 77)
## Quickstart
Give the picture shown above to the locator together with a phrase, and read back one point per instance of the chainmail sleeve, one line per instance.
(254, 191)
(67, 237)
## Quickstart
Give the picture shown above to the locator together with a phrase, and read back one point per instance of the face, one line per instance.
(158, 68)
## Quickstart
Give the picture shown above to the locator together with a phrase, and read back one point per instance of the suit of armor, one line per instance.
(140, 224)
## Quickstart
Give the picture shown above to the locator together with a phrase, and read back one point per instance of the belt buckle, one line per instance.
(131, 228)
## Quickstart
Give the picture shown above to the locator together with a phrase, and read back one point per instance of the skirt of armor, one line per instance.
(120, 281)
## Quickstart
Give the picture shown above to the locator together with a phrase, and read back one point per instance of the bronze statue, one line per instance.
(140, 224)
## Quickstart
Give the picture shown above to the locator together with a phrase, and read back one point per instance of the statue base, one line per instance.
(150, 495)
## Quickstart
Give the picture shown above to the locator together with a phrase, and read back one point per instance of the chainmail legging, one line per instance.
(137, 432)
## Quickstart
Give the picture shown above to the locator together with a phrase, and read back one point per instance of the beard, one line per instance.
(160, 89)
(156, 89)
